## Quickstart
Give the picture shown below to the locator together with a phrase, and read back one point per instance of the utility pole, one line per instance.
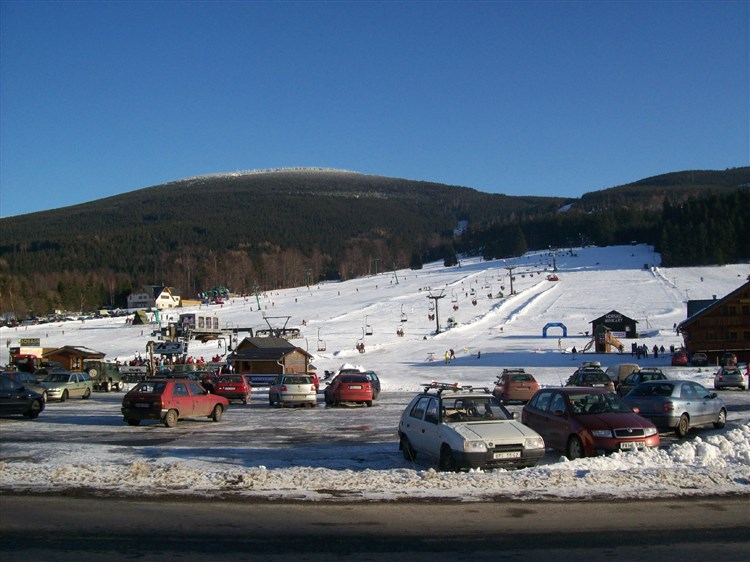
(510, 269)
(307, 276)
(435, 299)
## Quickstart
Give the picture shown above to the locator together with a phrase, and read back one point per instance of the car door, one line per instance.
(10, 402)
(557, 422)
(535, 413)
(75, 385)
(181, 399)
(707, 406)
(202, 402)
(416, 429)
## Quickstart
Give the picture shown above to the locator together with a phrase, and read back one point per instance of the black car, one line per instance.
(373, 378)
(27, 380)
(637, 377)
(590, 374)
(17, 399)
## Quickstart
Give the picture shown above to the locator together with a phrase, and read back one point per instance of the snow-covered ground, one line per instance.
(258, 451)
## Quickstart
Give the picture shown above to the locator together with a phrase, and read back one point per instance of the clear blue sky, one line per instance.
(523, 98)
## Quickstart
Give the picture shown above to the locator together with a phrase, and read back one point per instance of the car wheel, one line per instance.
(683, 426)
(86, 394)
(107, 387)
(575, 448)
(44, 396)
(217, 413)
(244, 400)
(722, 419)
(170, 420)
(34, 410)
(369, 403)
(270, 400)
(132, 421)
(64, 396)
(447, 462)
(409, 453)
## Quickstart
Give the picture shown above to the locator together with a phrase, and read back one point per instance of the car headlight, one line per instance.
(475, 447)
(649, 431)
(534, 443)
(601, 432)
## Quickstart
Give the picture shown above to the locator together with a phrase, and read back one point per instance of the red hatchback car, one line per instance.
(585, 422)
(168, 400)
(233, 387)
(515, 385)
(349, 387)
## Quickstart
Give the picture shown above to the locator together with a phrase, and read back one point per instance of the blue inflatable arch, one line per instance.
(554, 325)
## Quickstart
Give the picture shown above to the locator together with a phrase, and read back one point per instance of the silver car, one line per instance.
(730, 377)
(677, 405)
(293, 389)
(62, 385)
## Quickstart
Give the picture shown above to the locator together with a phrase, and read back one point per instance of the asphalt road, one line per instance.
(75, 528)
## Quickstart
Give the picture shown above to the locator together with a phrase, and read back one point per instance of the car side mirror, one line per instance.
(713, 395)
(514, 415)
(636, 410)
(559, 413)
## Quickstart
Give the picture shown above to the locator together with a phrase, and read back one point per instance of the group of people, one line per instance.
(641, 351)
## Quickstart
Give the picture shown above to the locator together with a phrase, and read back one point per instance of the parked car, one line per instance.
(620, 371)
(27, 380)
(463, 428)
(375, 381)
(699, 359)
(62, 385)
(15, 398)
(349, 387)
(169, 400)
(584, 422)
(590, 374)
(515, 385)
(293, 389)
(679, 358)
(208, 379)
(637, 377)
(677, 405)
(233, 387)
(730, 377)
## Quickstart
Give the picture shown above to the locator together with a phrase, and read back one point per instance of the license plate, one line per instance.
(633, 445)
(597, 385)
(355, 387)
(228, 388)
(507, 455)
(142, 405)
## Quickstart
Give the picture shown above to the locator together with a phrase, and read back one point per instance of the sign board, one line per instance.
(261, 380)
(170, 348)
(616, 318)
(133, 370)
(30, 342)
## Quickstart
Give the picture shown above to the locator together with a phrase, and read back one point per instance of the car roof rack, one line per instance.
(454, 386)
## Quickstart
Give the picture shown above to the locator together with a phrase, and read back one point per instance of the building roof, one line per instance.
(605, 317)
(80, 351)
(713, 306)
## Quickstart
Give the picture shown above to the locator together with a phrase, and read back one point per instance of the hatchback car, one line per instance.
(637, 377)
(677, 405)
(730, 377)
(15, 398)
(591, 375)
(679, 358)
(233, 387)
(354, 387)
(62, 385)
(699, 359)
(465, 428)
(293, 389)
(27, 380)
(515, 385)
(585, 422)
(168, 400)
(375, 381)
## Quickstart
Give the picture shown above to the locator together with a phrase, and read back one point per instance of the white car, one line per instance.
(465, 428)
(62, 385)
(293, 389)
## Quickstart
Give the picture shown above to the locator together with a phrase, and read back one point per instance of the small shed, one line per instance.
(268, 356)
(72, 357)
(617, 324)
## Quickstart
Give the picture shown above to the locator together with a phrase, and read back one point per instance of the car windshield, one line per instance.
(653, 390)
(150, 387)
(297, 380)
(231, 378)
(57, 377)
(354, 378)
(595, 377)
(521, 378)
(473, 408)
(600, 403)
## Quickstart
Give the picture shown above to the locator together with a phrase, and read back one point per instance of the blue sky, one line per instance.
(523, 98)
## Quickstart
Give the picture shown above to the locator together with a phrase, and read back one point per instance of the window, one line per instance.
(180, 389)
(419, 408)
(196, 389)
(557, 404)
(688, 391)
(432, 412)
(542, 401)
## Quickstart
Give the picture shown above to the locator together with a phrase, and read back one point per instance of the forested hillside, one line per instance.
(278, 228)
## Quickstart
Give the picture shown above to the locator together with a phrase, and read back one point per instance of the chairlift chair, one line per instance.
(403, 314)
(368, 328)
(454, 296)
(321, 343)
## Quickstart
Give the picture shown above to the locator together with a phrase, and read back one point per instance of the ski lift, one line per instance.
(361, 342)
(454, 296)
(403, 314)
(400, 331)
(321, 343)
(472, 292)
(474, 302)
(432, 305)
(368, 328)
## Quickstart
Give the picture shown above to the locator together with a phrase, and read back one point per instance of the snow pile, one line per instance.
(718, 464)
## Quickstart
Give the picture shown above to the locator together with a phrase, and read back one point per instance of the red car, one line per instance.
(233, 387)
(515, 385)
(349, 387)
(168, 400)
(584, 422)
(680, 358)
